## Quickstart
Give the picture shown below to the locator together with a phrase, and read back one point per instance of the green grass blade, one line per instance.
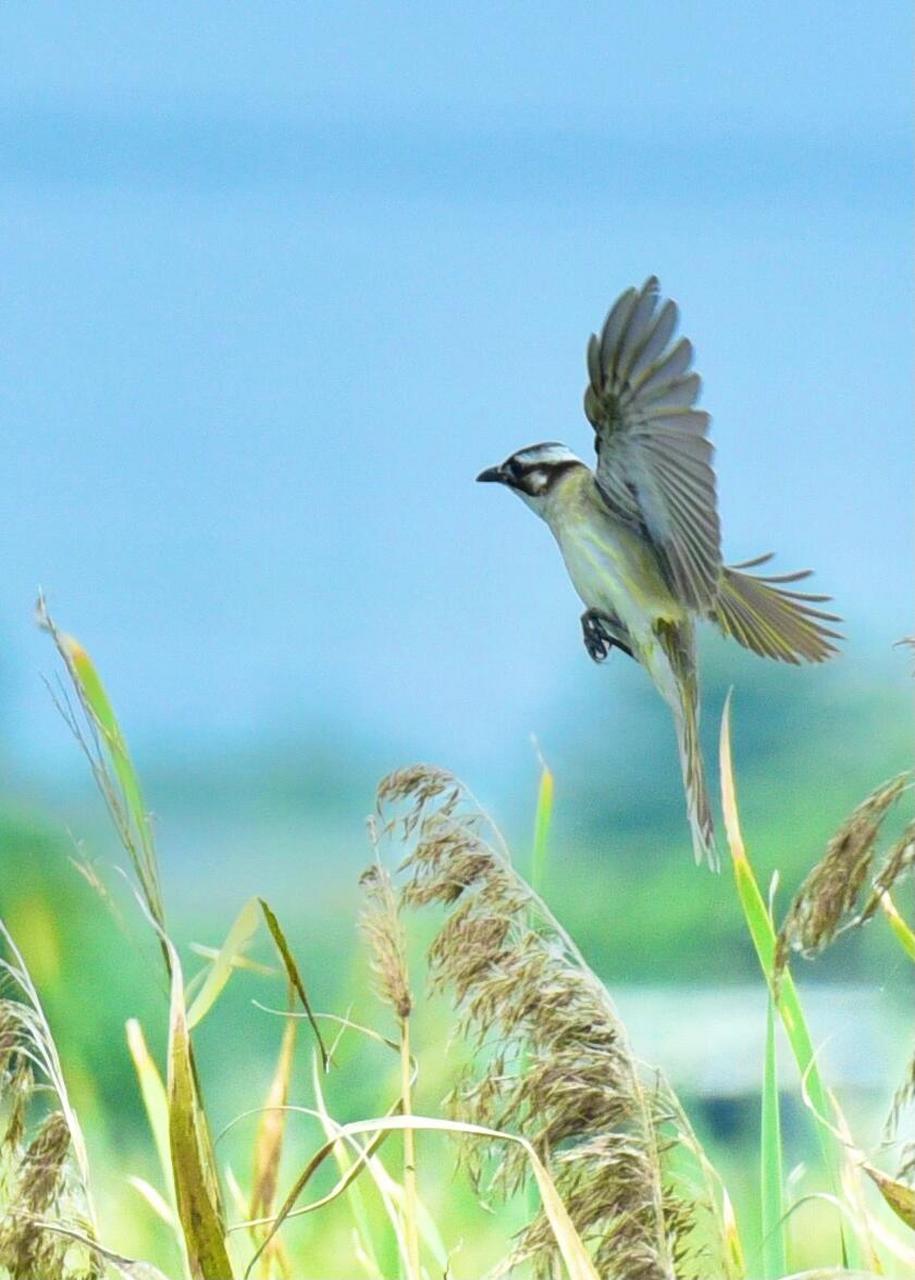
(575, 1257)
(194, 1168)
(901, 931)
(129, 811)
(155, 1102)
(735, 1260)
(292, 973)
(542, 821)
(762, 932)
(898, 1195)
(774, 1244)
(354, 1189)
(783, 992)
(238, 937)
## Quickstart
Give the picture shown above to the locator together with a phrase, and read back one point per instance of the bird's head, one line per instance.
(533, 472)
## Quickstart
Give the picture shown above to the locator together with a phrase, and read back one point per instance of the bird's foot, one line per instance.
(602, 633)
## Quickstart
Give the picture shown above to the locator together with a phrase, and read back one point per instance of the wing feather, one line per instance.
(657, 339)
(665, 370)
(654, 460)
(679, 393)
(614, 329)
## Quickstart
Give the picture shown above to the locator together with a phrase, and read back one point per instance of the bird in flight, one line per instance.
(640, 534)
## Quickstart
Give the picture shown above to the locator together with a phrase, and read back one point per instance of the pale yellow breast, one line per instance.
(612, 568)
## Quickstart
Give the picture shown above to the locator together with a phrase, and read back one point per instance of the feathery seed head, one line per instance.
(552, 1059)
(831, 890)
(383, 930)
(42, 1167)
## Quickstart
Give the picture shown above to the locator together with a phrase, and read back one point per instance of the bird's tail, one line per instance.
(763, 615)
(683, 696)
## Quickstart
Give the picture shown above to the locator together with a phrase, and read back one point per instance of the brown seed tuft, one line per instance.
(20, 1088)
(41, 1173)
(383, 930)
(829, 894)
(551, 1057)
(9, 1032)
(898, 862)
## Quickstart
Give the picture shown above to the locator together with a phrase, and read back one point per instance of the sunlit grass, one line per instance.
(583, 1161)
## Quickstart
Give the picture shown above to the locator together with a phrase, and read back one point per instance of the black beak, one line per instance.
(492, 475)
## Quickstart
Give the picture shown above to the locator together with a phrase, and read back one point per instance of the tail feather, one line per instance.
(698, 807)
(760, 613)
(683, 695)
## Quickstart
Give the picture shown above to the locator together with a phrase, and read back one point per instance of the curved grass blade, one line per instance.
(155, 1104)
(292, 972)
(735, 1260)
(152, 1091)
(125, 800)
(904, 935)
(575, 1256)
(268, 1140)
(899, 1196)
(355, 1196)
(762, 932)
(196, 1182)
(129, 1268)
(156, 1201)
(834, 1273)
(238, 937)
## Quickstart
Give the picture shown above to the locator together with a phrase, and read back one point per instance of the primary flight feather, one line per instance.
(640, 534)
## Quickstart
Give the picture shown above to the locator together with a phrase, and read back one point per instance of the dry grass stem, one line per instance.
(383, 930)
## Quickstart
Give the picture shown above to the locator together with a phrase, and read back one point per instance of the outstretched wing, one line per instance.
(654, 461)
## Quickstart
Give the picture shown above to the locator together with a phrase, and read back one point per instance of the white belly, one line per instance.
(616, 572)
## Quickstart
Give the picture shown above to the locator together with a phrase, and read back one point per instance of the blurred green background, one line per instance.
(279, 282)
(286, 820)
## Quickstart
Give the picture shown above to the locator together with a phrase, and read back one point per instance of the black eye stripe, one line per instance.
(538, 477)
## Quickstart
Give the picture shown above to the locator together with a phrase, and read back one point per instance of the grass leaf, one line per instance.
(904, 935)
(156, 1201)
(292, 972)
(155, 1100)
(268, 1142)
(571, 1249)
(762, 932)
(774, 1250)
(542, 821)
(238, 937)
(734, 1256)
(129, 812)
(196, 1182)
(899, 1196)
(355, 1198)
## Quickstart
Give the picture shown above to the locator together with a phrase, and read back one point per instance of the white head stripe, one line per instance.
(548, 453)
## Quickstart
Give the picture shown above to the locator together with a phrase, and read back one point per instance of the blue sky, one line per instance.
(279, 279)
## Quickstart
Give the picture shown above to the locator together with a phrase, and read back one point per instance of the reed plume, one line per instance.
(44, 1181)
(550, 1056)
(827, 899)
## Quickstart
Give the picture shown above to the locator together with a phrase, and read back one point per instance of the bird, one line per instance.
(640, 533)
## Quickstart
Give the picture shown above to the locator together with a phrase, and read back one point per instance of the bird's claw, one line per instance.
(598, 640)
